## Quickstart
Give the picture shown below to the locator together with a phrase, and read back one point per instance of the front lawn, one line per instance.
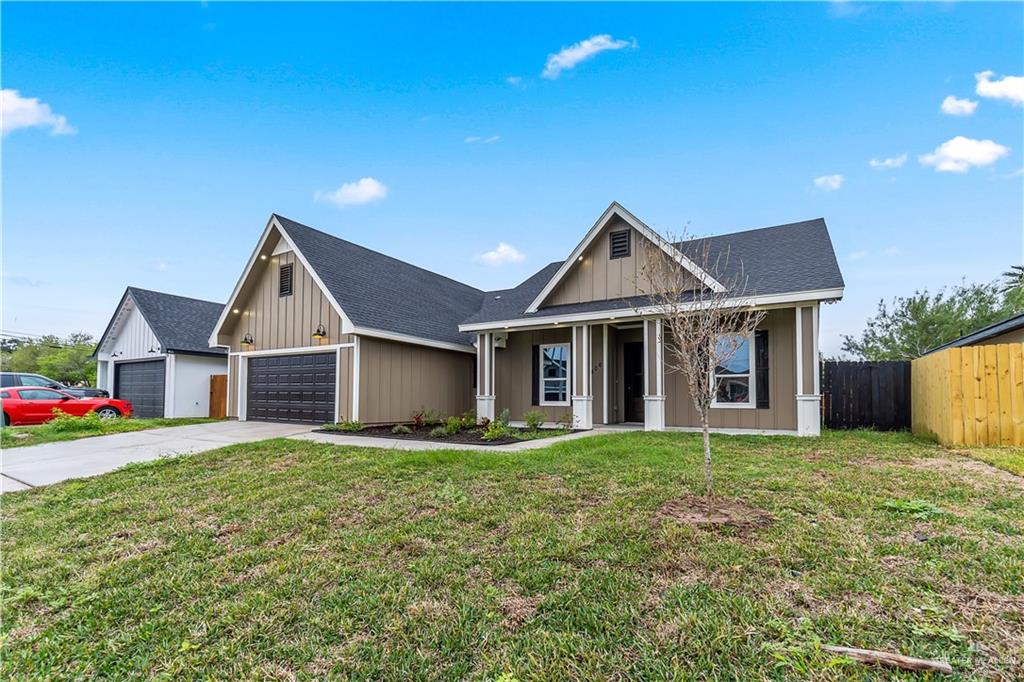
(287, 559)
(18, 436)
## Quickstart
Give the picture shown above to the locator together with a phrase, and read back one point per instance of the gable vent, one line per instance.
(285, 285)
(619, 244)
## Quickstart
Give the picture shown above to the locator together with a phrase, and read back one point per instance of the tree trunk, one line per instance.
(709, 481)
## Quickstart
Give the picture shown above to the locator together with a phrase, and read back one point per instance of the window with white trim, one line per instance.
(733, 377)
(554, 374)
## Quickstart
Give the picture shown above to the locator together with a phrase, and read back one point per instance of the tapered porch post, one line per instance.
(582, 391)
(654, 376)
(808, 390)
(485, 376)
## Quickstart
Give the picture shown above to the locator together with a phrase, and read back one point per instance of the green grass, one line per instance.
(297, 559)
(1007, 459)
(20, 436)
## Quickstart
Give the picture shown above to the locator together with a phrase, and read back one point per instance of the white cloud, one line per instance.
(1007, 87)
(503, 253)
(844, 9)
(514, 80)
(829, 183)
(892, 162)
(958, 107)
(472, 139)
(28, 112)
(362, 191)
(890, 251)
(161, 266)
(960, 153)
(859, 255)
(569, 57)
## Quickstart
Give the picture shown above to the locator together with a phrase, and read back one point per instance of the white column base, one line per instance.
(808, 415)
(654, 413)
(484, 408)
(583, 412)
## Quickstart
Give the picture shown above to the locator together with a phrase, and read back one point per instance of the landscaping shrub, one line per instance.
(497, 430)
(400, 429)
(432, 418)
(418, 419)
(534, 419)
(453, 425)
(505, 417)
(468, 419)
(64, 422)
(438, 432)
(566, 421)
(345, 425)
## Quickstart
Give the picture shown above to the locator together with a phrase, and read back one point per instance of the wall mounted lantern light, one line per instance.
(247, 340)
(320, 334)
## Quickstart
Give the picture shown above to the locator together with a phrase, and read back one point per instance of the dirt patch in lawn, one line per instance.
(698, 510)
(962, 466)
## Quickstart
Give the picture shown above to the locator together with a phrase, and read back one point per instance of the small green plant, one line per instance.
(505, 417)
(452, 425)
(915, 509)
(400, 429)
(439, 432)
(534, 419)
(431, 417)
(468, 419)
(66, 423)
(567, 421)
(497, 430)
(345, 425)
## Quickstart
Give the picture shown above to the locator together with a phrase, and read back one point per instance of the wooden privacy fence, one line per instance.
(872, 395)
(972, 395)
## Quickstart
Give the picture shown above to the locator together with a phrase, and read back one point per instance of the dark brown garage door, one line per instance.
(141, 384)
(291, 388)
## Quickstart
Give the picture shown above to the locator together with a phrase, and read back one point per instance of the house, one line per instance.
(970, 391)
(319, 329)
(155, 353)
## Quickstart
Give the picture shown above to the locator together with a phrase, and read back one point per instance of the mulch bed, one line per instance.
(470, 437)
(698, 510)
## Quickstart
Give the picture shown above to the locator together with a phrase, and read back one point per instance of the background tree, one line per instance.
(913, 325)
(64, 360)
(701, 328)
(1013, 279)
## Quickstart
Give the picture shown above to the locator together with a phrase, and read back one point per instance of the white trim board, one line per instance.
(616, 209)
(628, 314)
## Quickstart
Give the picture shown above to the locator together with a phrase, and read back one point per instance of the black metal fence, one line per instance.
(866, 395)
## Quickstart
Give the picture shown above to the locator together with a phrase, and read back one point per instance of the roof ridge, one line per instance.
(379, 253)
(164, 293)
(754, 229)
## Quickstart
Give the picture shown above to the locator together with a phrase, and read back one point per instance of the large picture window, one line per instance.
(554, 374)
(733, 379)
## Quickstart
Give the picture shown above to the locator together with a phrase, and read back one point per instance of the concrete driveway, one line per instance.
(36, 465)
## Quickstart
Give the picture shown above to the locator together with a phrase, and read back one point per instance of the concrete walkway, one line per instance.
(35, 465)
(397, 444)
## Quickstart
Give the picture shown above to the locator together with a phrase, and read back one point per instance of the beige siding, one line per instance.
(514, 373)
(781, 326)
(396, 379)
(280, 321)
(597, 277)
(807, 335)
(345, 384)
(1015, 336)
(233, 386)
(597, 370)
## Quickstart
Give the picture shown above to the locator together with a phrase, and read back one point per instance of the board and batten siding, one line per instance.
(781, 413)
(597, 277)
(135, 338)
(398, 379)
(514, 373)
(281, 321)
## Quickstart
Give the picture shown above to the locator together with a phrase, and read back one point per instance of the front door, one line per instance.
(633, 380)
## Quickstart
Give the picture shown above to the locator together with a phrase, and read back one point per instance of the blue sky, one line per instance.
(185, 125)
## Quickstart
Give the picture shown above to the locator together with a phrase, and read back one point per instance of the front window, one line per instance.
(554, 374)
(734, 365)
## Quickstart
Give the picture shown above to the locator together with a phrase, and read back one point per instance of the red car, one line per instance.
(34, 405)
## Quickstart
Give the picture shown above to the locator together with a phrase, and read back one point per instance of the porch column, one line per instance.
(654, 376)
(485, 376)
(582, 392)
(808, 393)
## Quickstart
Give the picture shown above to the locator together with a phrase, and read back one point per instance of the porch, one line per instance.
(612, 372)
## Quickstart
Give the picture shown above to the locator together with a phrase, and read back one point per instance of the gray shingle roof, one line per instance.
(787, 258)
(181, 324)
(1010, 324)
(381, 292)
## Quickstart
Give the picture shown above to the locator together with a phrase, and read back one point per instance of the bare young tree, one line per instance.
(703, 327)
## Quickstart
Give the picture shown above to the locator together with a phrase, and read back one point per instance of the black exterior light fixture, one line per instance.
(153, 350)
(247, 340)
(320, 334)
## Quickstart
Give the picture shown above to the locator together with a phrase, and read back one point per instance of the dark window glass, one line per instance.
(34, 380)
(40, 394)
(5, 394)
(8, 380)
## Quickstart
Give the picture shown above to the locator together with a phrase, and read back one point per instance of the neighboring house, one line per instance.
(155, 353)
(320, 329)
(1010, 330)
